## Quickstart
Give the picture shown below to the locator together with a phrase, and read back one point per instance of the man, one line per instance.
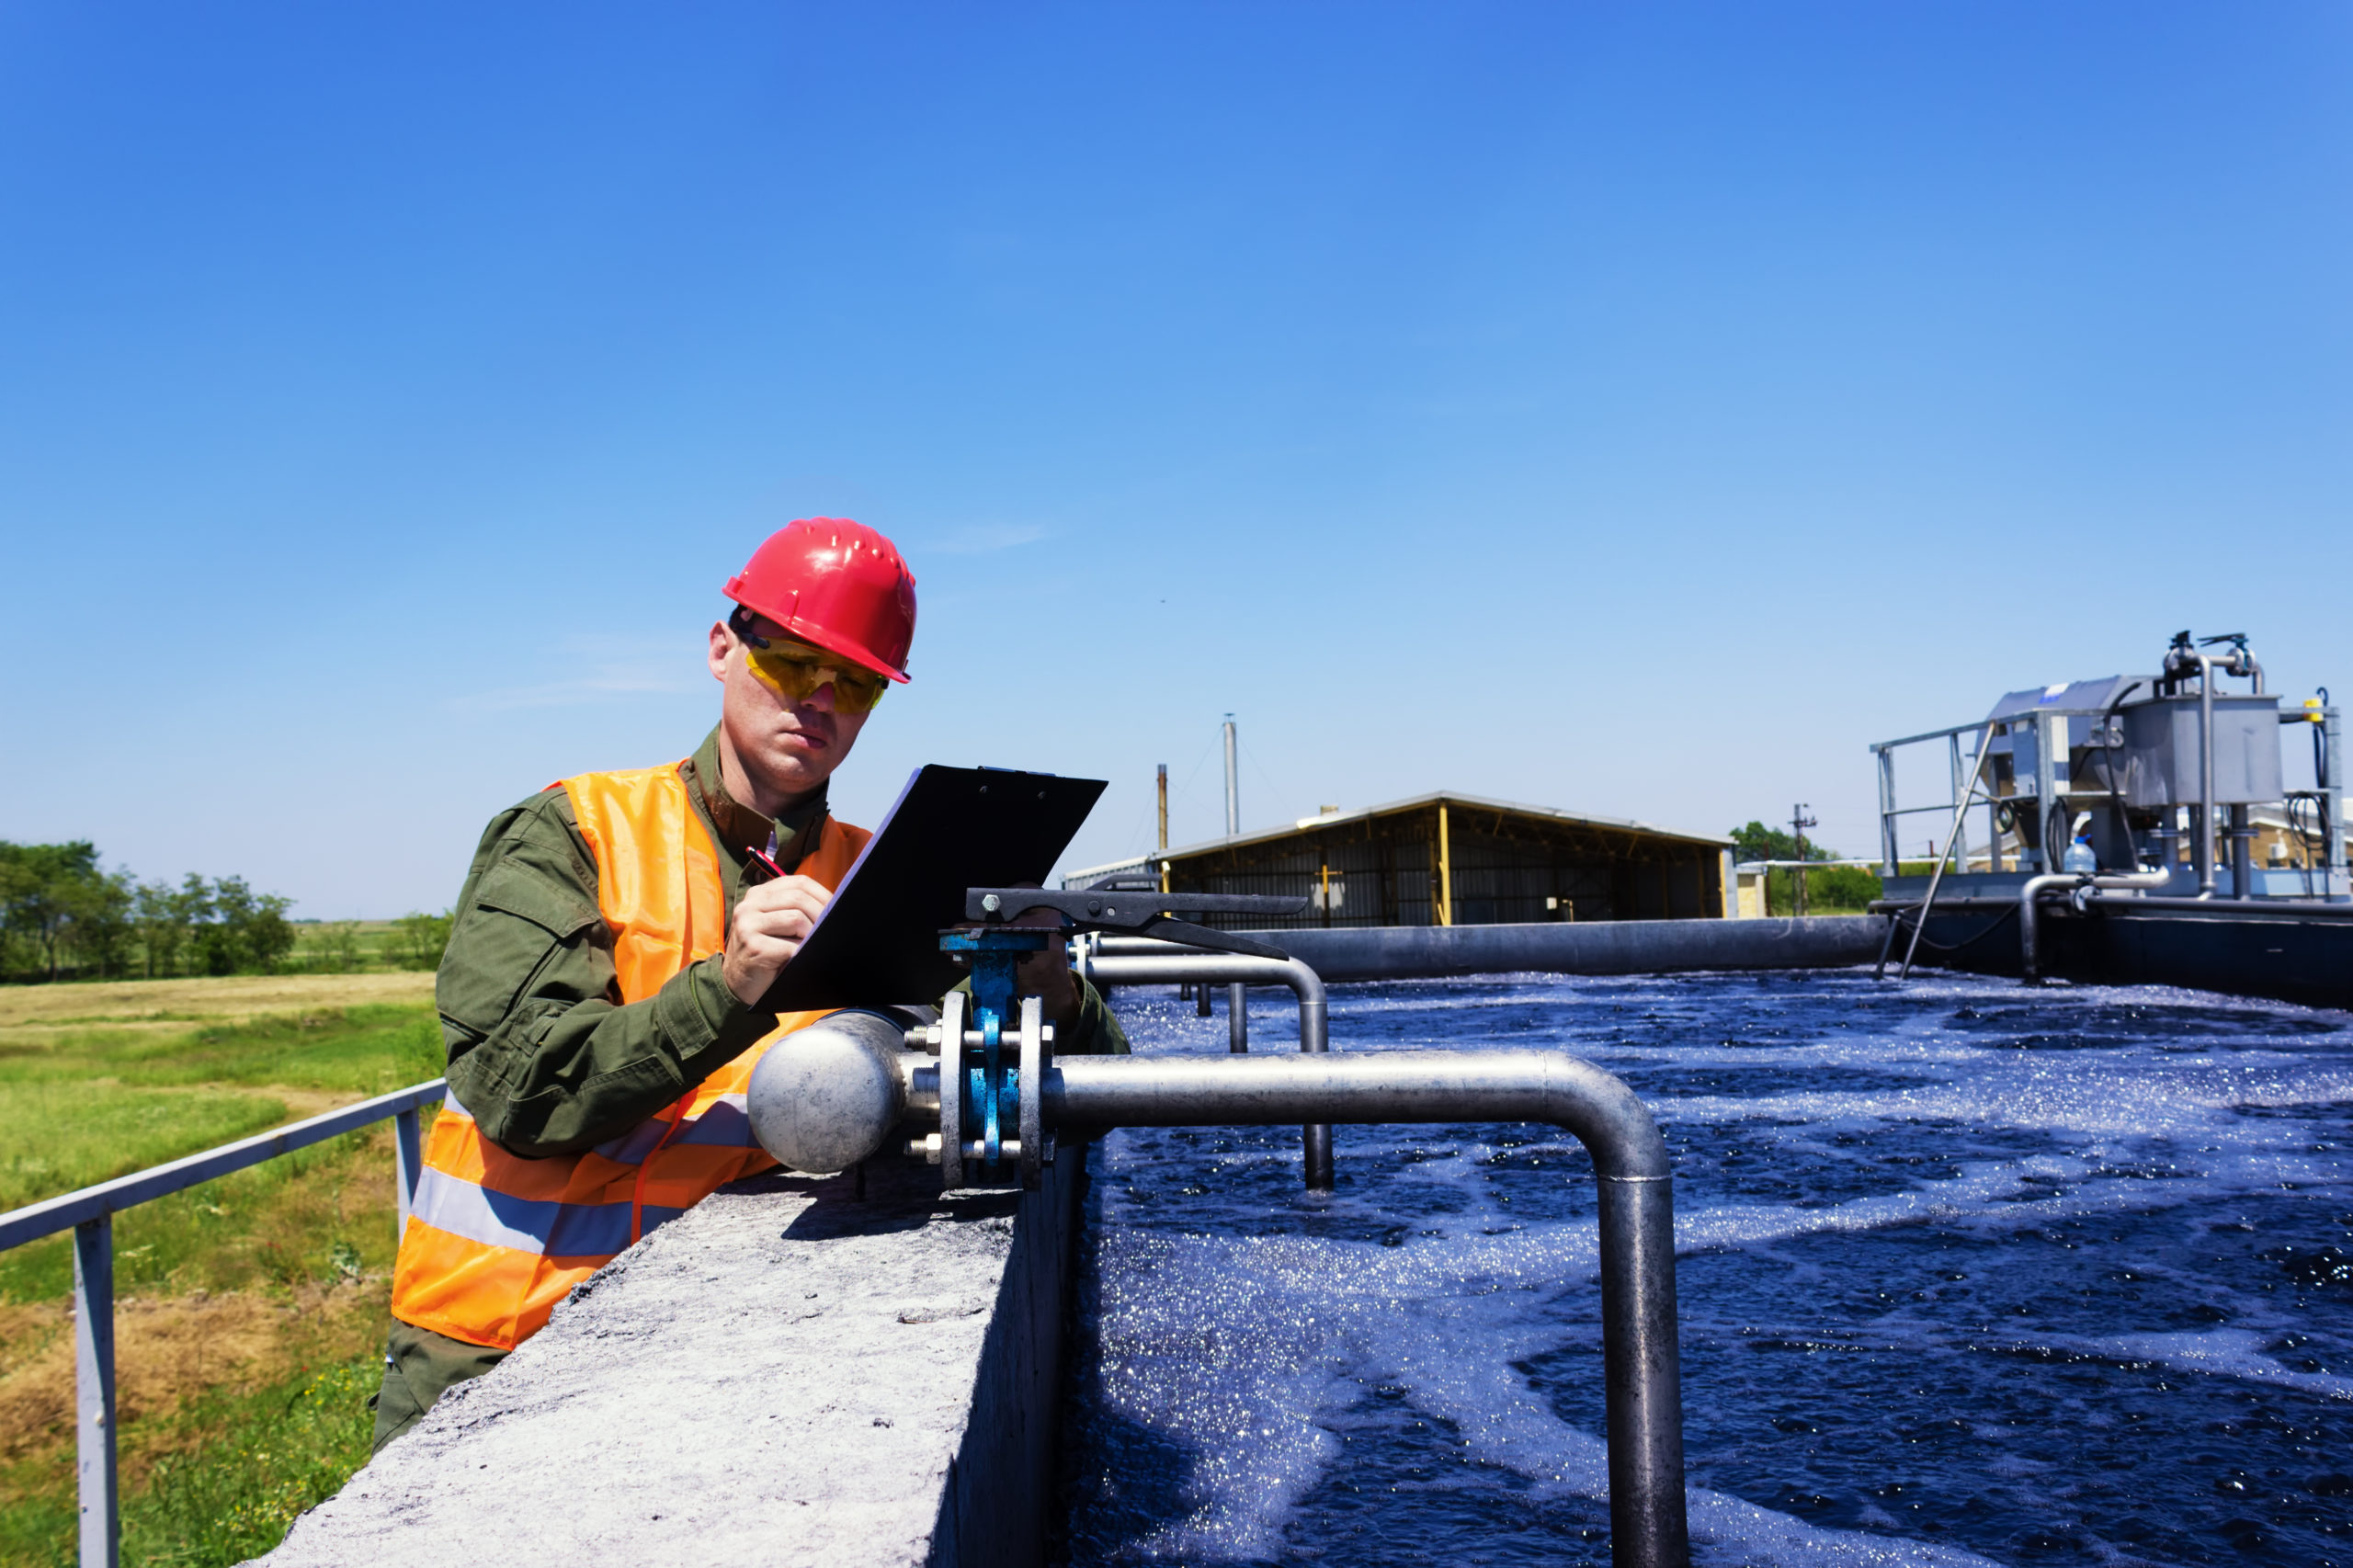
(600, 996)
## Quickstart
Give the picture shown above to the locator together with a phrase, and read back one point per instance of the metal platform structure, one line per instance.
(2120, 823)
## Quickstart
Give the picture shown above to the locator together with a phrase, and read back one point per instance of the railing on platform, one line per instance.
(89, 1214)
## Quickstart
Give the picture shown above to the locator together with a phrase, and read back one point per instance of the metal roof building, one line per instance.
(1448, 859)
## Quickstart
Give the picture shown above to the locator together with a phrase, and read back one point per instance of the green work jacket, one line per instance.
(543, 1051)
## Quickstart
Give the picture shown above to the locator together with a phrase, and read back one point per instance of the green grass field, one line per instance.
(251, 1307)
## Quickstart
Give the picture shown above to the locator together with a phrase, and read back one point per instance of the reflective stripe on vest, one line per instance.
(495, 1240)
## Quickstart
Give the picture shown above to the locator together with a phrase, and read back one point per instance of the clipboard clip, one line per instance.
(1137, 913)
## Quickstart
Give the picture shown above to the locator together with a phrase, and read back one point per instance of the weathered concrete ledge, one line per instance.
(787, 1374)
(1600, 947)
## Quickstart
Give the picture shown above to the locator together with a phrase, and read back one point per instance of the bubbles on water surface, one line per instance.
(1967, 1274)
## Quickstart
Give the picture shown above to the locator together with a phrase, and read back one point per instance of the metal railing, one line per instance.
(89, 1214)
(2049, 783)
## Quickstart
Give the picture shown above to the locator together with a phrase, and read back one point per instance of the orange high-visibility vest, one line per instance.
(495, 1240)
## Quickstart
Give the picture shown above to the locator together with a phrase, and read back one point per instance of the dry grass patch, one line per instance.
(168, 1352)
(221, 998)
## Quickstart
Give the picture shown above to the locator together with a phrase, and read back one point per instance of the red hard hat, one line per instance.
(839, 584)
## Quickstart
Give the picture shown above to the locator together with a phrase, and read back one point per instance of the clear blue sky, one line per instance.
(1630, 409)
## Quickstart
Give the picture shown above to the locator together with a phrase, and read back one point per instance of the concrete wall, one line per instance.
(787, 1374)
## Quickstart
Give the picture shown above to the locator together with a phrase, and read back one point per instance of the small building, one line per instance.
(1448, 859)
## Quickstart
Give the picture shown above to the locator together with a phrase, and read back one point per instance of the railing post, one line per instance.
(94, 1391)
(405, 1161)
(2049, 771)
(1960, 781)
(1886, 815)
(1237, 1018)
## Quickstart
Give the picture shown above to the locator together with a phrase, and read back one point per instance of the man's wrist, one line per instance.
(705, 1018)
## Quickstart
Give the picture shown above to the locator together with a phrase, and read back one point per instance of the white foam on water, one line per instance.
(1250, 1351)
(2224, 1352)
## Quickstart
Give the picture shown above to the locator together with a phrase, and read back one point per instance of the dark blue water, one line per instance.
(1969, 1274)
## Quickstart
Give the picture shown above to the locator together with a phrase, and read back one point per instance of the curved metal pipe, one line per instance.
(2205, 776)
(1139, 960)
(1642, 1361)
(2029, 928)
(2238, 662)
(2029, 958)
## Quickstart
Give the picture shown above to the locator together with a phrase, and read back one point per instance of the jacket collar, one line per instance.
(741, 830)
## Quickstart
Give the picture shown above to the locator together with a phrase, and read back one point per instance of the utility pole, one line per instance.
(1232, 784)
(1164, 827)
(1799, 822)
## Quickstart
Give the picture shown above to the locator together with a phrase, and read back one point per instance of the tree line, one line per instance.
(1832, 888)
(64, 915)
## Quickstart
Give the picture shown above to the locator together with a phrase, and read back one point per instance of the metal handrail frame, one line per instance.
(89, 1214)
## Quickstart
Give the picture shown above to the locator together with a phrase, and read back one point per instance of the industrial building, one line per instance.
(1448, 859)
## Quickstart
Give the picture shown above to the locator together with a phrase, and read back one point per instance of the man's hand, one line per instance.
(771, 923)
(1047, 975)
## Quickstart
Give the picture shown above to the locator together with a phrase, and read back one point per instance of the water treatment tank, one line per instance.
(2159, 764)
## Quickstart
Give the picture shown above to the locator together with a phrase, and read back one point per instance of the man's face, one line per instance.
(788, 745)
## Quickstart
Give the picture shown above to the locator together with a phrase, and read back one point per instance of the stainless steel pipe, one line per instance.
(1139, 960)
(2030, 922)
(2178, 663)
(1642, 1359)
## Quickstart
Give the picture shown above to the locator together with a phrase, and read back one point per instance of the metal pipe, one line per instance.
(2242, 855)
(2238, 662)
(2030, 962)
(1237, 1020)
(2205, 776)
(1232, 784)
(2332, 791)
(2029, 933)
(1124, 964)
(1642, 1377)
(1583, 947)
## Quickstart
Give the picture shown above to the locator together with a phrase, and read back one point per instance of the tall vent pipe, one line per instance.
(1237, 996)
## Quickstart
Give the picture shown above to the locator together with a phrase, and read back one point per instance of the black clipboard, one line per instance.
(952, 828)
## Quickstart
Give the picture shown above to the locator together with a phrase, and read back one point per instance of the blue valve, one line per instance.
(994, 955)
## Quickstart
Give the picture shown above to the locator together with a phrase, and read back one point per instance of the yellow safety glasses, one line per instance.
(795, 670)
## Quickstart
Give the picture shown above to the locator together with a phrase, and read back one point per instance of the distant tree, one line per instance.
(192, 908)
(1757, 842)
(1832, 887)
(247, 930)
(100, 924)
(163, 925)
(270, 936)
(1841, 887)
(335, 947)
(57, 906)
(43, 888)
(424, 937)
